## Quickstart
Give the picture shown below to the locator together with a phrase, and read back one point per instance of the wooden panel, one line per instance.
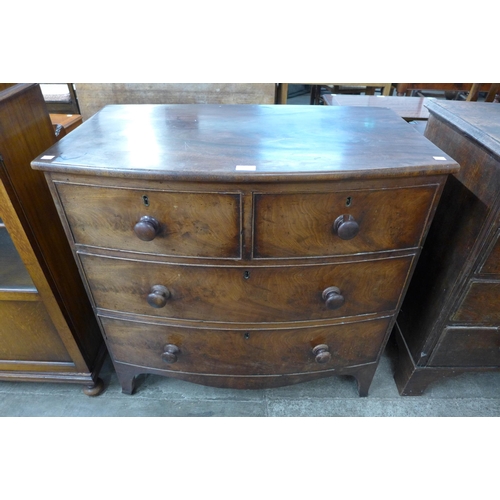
(190, 224)
(94, 96)
(441, 266)
(289, 225)
(468, 347)
(481, 304)
(475, 146)
(265, 294)
(492, 263)
(208, 142)
(239, 352)
(28, 334)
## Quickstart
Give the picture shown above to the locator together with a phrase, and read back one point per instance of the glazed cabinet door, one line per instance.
(28, 336)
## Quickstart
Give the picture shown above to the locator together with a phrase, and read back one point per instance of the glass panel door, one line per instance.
(13, 273)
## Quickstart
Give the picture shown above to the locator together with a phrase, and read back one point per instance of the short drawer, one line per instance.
(468, 347)
(173, 223)
(317, 224)
(253, 294)
(481, 304)
(240, 352)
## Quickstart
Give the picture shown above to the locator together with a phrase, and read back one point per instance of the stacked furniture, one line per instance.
(245, 246)
(449, 322)
(47, 328)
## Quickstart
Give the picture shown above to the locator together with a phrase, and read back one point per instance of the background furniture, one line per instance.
(245, 246)
(408, 88)
(94, 96)
(67, 121)
(409, 108)
(368, 88)
(449, 322)
(48, 331)
(60, 98)
(491, 96)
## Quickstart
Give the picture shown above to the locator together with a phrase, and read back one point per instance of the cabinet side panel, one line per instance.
(451, 239)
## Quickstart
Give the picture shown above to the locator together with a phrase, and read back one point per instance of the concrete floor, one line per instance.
(467, 395)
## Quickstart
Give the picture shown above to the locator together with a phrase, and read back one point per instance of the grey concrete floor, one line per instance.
(467, 395)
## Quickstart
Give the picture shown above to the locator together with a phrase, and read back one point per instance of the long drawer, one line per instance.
(340, 223)
(253, 294)
(240, 352)
(155, 222)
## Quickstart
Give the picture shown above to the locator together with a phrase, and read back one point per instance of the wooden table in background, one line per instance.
(68, 122)
(409, 108)
(282, 89)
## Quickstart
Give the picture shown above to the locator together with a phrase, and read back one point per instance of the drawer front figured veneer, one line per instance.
(339, 223)
(158, 222)
(256, 294)
(246, 352)
(259, 246)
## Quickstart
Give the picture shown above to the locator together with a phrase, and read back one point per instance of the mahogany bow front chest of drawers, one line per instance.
(450, 319)
(245, 246)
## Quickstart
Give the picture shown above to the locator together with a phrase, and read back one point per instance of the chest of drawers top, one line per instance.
(243, 143)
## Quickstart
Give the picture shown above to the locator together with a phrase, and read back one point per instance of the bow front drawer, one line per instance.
(240, 352)
(340, 223)
(256, 294)
(154, 222)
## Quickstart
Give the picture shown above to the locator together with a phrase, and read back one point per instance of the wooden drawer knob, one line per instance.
(332, 297)
(147, 228)
(158, 296)
(321, 353)
(170, 353)
(345, 227)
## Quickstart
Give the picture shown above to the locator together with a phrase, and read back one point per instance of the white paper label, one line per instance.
(47, 157)
(249, 168)
(442, 158)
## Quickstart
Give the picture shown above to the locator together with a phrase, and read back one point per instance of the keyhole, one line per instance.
(145, 200)
(246, 274)
(247, 336)
(348, 201)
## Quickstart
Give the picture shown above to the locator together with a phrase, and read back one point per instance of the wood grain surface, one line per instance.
(191, 224)
(238, 352)
(291, 225)
(468, 347)
(268, 294)
(274, 143)
(481, 305)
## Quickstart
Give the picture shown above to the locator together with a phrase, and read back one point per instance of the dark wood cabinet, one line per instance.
(245, 246)
(47, 328)
(449, 321)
